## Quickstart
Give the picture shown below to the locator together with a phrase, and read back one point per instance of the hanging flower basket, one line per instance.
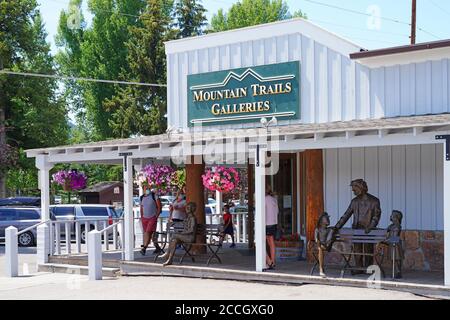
(221, 179)
(158, 176)
(70, 180)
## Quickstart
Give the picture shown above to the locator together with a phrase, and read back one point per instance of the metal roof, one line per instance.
(160, 144)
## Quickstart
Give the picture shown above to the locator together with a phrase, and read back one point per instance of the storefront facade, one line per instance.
(341, 114)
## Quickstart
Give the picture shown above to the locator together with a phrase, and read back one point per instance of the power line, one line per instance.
(356, 12)
(54, 76)
(369, 15)
(439, 7)
(357, 28)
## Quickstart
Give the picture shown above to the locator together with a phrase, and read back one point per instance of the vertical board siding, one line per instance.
(405, 178)
(321, 87)
(332, 87)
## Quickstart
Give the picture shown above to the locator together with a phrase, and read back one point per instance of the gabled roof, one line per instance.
(101, 186)
(264, 31)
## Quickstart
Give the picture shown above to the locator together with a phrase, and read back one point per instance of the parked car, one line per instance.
(83, 212)
(21, 201)
(21, 218)
(166, 200)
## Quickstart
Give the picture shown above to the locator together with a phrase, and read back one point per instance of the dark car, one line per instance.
(21, 218)
(21, 201)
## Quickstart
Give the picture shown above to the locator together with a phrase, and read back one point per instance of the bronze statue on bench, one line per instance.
(366, 211)
(323, 237)
(187, 234)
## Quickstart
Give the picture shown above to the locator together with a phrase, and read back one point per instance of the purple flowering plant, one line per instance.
(70, 179)
(158, 176)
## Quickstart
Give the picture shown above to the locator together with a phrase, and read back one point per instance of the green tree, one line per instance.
(190, 18)
(140, 110)
(251, 12)
(98, 52)
(29, 107)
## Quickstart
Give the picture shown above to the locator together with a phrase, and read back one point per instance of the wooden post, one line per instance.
(251, 204)
(195, 193)
(413, 22)
(314, 190)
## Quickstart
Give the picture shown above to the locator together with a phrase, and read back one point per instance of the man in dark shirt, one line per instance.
(366, 211)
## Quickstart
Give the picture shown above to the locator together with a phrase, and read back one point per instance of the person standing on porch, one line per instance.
(271, 204)
(228, 224)
(178, 208)
(150, 209)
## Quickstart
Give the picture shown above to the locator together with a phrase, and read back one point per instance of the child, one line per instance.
(393, 241)
(228, 224)
(323, 236)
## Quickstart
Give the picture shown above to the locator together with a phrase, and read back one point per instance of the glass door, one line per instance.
(285, 190)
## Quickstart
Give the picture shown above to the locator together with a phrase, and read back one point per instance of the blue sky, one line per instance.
(433, 17)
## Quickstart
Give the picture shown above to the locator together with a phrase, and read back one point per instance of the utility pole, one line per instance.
(413, 22)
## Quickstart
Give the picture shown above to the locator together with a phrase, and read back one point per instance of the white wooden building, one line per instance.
(381, 115)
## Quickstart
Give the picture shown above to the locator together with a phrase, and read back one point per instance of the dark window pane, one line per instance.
(28, 215)
(63, 211)
(7, 214)
(95, 211)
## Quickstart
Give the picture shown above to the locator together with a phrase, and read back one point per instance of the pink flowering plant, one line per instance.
(70, 180)
(221, 179)
(158, 176)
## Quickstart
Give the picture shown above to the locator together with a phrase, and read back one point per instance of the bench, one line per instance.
(214, 240)
(351, 237)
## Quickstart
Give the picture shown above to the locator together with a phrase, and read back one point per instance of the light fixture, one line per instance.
(266, 124)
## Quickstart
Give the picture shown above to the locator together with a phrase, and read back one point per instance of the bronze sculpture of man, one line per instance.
(366, 211)
(187, 234)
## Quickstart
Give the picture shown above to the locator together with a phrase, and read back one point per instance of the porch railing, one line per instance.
(70, 237)
(12, 247)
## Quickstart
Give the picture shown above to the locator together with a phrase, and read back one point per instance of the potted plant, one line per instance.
(70, 180)
(158, 176)
(221, 179)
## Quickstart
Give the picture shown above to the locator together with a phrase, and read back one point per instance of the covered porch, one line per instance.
(258, 148)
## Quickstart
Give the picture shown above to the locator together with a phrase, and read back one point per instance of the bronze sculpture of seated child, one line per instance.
(186, 235)
(324, 237)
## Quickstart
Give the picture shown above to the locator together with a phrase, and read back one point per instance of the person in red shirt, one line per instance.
(228, 224)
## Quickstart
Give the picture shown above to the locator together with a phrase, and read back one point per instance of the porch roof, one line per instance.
(411, 125)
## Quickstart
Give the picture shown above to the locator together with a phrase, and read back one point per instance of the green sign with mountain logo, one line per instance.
(245, 94)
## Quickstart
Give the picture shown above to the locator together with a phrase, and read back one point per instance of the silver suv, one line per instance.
(21, 218)
(83, 212)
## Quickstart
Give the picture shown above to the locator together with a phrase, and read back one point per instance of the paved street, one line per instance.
(65, 286)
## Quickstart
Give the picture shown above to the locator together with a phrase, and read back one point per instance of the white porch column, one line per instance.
(44, 185)
(128, 208)
(446, 216)
(260, 209)
(138, 232)
(219, 202)
(44, 242)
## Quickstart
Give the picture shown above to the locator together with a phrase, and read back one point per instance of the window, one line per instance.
(63, 211)
(29, 215)
(7, 215)
(95, 211)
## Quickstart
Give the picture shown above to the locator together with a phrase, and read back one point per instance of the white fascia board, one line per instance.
(359, 141)
(264, 31)
(405, 58)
